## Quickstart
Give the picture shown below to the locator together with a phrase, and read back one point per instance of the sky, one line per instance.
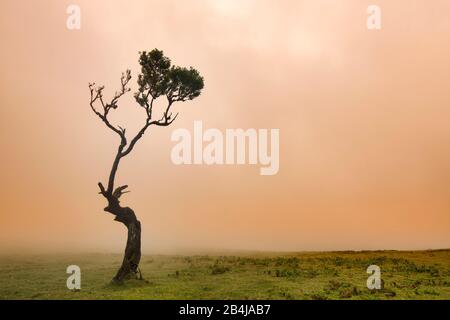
(363, 117)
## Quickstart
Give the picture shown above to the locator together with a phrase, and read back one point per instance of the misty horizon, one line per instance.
(363, 115)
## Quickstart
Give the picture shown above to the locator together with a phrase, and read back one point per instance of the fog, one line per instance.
(363, 119)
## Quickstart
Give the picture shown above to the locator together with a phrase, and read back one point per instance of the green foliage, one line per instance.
(159, 77)
(183, 84)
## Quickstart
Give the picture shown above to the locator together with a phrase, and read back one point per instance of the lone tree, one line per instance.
(158, 78)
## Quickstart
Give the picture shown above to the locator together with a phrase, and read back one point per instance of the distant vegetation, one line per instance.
(337, 275)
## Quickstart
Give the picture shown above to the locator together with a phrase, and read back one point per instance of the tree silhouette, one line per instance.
(158, 78)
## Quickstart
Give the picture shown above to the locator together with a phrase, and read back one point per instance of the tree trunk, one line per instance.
(132, 256)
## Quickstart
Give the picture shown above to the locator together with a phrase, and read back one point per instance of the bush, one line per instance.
(219, 269)
(348, 293)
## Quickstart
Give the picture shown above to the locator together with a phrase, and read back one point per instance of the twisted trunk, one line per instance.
(132, 256)
(125, 215)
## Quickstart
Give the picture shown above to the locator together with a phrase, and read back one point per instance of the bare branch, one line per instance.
(97, 94)
(119, 191)
(102, 189)
(126, 77)
(135, 139)
(165, 121)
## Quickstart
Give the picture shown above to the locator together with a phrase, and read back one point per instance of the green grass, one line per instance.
(334, 275)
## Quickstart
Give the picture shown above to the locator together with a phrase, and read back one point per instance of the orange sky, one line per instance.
(364, 119)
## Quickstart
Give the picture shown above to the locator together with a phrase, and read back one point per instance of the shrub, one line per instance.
(219, 269)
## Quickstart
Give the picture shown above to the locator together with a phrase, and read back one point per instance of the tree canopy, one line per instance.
(159, 77)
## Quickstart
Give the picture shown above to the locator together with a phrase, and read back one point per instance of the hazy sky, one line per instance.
(364, 119)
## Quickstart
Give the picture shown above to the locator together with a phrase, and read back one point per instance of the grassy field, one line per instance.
(334, 275)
